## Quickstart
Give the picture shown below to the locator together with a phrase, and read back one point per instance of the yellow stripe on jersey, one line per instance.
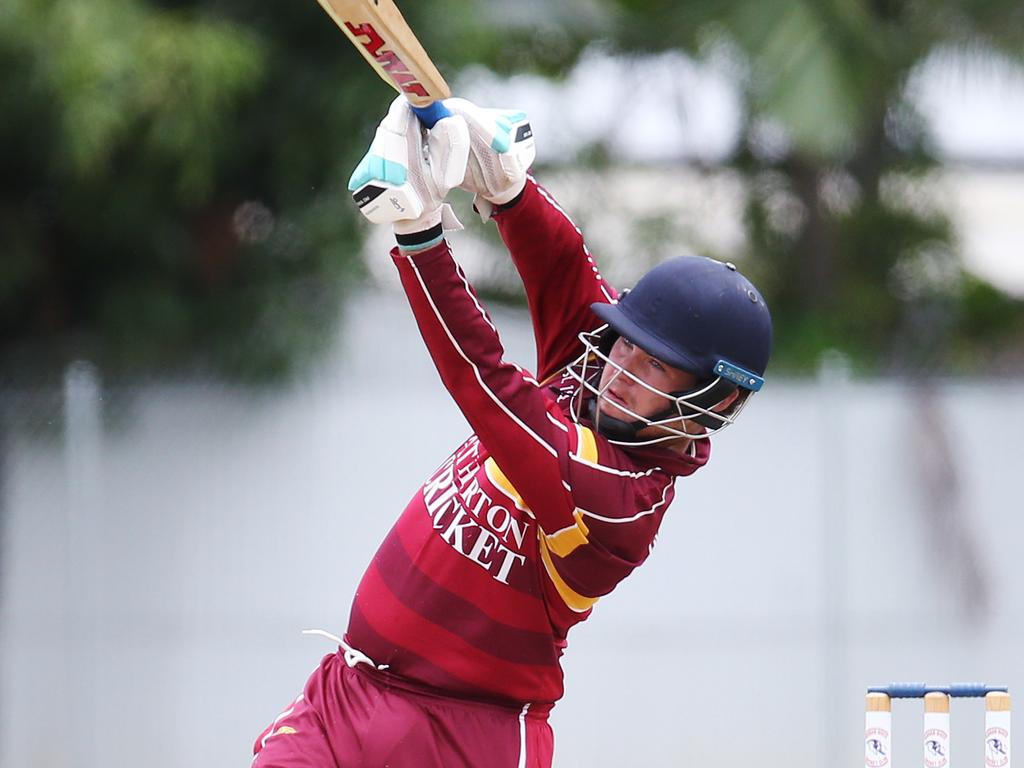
(570, 597)
(587, 444)
(565, 541)
(562, 543)
(503, 484)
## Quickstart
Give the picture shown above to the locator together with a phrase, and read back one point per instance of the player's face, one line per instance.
(620, 389)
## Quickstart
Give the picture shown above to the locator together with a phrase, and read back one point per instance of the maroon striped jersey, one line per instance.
(535, 517)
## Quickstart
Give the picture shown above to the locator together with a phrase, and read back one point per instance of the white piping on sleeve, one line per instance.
(476, 371)
(557, 423)
(526, 375)
(586, 251)
(554, 204)
(567, 528)
(638, 515)
(476, 302)
(612, 470)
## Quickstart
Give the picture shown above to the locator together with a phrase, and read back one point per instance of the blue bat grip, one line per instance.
(430, 115)
(918, 690)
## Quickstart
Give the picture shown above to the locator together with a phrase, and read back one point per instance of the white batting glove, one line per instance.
(408, 171)
(501, 152)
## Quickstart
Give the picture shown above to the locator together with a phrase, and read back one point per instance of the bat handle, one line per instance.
(431, 114)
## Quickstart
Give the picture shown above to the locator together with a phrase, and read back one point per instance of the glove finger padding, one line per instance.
(502, 150)
(437, 163)
(408, 171)
(447, 153)
(380, 184)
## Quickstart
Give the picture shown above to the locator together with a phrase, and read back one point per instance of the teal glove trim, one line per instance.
(376, 168)
(503, 136)
(503, 123)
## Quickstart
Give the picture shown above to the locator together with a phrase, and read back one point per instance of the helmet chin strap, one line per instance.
(609, 426)
(716, 393)
(620, 429)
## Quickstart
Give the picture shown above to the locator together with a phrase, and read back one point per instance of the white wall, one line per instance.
(156, 579)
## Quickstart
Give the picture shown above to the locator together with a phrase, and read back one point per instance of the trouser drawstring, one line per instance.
(353, 656)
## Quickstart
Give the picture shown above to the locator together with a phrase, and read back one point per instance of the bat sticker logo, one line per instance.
(389, 61)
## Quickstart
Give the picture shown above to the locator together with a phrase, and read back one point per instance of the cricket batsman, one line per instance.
(452, 654)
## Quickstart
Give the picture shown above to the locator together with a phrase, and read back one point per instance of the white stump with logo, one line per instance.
(936, 730)
(997, 730)
(878, 731)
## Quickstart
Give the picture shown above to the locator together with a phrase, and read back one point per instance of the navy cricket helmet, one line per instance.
(696, 314)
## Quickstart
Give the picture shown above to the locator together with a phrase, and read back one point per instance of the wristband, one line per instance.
(417, 241)
(498, 208)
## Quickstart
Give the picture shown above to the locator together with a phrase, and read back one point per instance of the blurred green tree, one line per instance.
(151, 215)
(173, 173)
(832, 148)
(172, 170)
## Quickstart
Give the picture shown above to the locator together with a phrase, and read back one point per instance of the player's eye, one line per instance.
(626, 342)
(655, 363)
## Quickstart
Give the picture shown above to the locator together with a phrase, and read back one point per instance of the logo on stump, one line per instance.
(997, 748)
(936, 748)
(876, 750)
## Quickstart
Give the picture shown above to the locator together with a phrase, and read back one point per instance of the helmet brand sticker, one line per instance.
(739, 376)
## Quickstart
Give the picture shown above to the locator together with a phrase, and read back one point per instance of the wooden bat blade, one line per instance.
(380, 32)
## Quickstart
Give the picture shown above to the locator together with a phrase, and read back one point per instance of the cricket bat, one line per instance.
(380, 32)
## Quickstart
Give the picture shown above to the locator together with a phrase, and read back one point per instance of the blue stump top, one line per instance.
(955, 690)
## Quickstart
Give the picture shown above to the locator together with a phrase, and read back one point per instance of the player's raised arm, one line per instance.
(516, 419)
(558, 272)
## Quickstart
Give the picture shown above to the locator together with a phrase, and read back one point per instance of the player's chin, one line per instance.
(608, 408)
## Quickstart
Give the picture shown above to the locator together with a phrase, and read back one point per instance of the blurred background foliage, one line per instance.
(172, 191)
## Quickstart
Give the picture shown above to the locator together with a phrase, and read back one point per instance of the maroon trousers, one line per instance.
(350, 718)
